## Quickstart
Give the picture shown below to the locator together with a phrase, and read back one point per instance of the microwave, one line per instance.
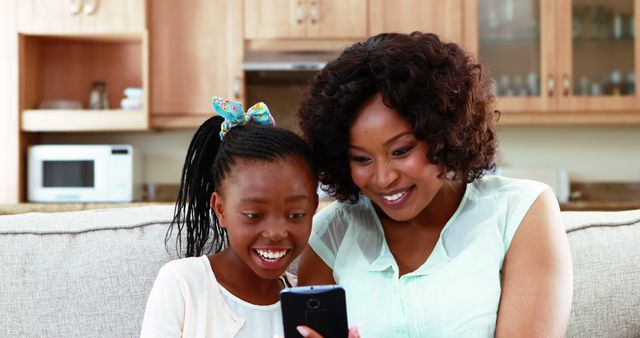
(83, 173)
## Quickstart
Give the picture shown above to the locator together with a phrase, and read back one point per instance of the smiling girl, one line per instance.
(247, 196)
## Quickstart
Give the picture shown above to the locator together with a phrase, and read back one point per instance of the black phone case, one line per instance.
(320, 307)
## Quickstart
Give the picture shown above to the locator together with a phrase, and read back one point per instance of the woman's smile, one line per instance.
(395, 198)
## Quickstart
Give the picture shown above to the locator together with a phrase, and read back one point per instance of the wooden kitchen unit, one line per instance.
(197, 56)
(554, 62)
(305, 19)
(558, 62)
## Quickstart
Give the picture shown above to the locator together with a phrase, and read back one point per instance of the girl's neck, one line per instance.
(235, 276)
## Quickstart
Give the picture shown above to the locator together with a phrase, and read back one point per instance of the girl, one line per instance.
(261, 183)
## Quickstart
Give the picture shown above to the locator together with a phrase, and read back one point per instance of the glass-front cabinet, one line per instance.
(558, 57)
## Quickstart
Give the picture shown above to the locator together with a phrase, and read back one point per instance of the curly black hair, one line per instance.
(435, 86)
(208, 163)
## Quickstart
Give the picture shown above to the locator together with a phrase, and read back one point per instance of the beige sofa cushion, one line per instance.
(605, 248)
(88, 273)
(79, 274)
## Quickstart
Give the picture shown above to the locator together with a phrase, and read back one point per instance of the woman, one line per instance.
(403, 130)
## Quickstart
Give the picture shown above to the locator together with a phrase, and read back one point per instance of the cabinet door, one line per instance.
(197, 56)
(81, 16)
(599, 60)
(49, 16)
(119, 16)
(269, 19)
(405, 16)
(514, 40)
(336, 19)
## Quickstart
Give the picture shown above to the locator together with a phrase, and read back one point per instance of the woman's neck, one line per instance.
(236, 277)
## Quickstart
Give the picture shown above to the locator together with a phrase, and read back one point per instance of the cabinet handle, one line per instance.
(566, 84)
(551, 85)
(90, 7)
(314, 15)
(299, 13)
(74, 6)
(236, 88)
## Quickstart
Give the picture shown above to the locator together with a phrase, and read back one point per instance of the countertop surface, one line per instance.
(18, 208)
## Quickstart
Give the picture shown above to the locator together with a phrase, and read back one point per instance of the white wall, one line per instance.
(589, 153)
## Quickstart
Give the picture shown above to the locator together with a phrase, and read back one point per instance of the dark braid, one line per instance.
(208, 163)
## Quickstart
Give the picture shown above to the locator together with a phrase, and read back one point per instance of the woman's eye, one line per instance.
(401, 151)
(360, 159)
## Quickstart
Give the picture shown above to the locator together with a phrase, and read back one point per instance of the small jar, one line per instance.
(98, 98)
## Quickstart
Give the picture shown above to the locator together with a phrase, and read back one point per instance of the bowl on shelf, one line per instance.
(60, 104)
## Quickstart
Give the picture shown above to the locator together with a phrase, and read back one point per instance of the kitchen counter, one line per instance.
(20, 208)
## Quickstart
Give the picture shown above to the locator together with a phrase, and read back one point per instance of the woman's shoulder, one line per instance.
(495, 185)
(341, 214)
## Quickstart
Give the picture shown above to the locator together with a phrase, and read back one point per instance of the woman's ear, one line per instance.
(218, 208)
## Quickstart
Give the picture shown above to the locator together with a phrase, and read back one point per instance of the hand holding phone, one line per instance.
(320, 307)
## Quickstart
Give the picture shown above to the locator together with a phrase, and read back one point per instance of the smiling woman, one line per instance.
(403, 129)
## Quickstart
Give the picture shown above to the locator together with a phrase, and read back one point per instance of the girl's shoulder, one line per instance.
(186, 269)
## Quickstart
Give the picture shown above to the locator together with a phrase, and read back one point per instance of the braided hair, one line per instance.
(209, 160)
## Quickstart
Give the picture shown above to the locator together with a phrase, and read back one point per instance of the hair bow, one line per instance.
(234, 115)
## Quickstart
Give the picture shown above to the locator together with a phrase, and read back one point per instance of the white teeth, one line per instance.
(270, 254)
(394, 197)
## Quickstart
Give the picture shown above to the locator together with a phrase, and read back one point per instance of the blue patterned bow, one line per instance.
(234, 115)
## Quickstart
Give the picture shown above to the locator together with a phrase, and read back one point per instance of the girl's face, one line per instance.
(388, 164)
(266, 208)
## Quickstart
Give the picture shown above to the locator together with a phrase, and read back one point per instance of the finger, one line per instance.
(307, 332)
(354, 331)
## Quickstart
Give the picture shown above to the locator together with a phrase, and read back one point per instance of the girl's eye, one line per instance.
(401, 151)
(297, 215)
(252, 215)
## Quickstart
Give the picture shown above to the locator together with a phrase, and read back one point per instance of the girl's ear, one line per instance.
(218, 208)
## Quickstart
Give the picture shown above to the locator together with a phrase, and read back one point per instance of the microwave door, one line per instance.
(69, 180)
(68, 174)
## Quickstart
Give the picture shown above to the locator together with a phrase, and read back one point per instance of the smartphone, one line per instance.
(320, 307)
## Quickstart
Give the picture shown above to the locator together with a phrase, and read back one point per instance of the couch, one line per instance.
(88, 273)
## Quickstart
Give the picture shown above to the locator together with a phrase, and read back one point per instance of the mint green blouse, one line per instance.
(455, 293)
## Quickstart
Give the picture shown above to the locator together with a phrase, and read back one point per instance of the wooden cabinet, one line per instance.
(66, 46)
(80, 16)
(61, 70)
(405, 16)
(197, 56)
(558, 62)
(295, 19)
(11, 164)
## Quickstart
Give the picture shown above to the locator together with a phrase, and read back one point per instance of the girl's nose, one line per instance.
(275, 233)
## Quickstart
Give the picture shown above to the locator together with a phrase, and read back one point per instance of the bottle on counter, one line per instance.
(98, 98)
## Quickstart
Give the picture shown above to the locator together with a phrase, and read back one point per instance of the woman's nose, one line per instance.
(385, 175)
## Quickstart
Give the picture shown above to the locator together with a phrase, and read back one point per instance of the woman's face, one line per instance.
(266, 208)
(389, 164)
